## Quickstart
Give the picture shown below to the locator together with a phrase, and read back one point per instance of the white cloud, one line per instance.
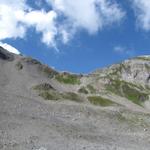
(44, 22)
(142, 12)
(123, 50)
(9, 26)
(17, 17)
(10, 48)
(80, 13)
(16, 4)
(119, 49)
(15, 22)
(90, 15)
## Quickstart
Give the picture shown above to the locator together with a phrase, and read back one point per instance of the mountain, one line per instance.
(43, 109)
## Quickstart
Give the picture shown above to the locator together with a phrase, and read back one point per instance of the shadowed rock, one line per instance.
(5, 55)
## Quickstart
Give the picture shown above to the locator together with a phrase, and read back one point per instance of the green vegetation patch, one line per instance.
(91, 88)
(134, 95)
(19, 65)
(53, 95)
(43, 86)
(83, 90)
(72, 96)
(130, 91)
(47, 92)
(97, 100)
(67, 78)
(47, 95)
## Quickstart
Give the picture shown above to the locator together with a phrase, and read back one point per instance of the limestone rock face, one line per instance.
(136, 70)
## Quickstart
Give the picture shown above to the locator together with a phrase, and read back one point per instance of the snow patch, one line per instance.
(9, 48)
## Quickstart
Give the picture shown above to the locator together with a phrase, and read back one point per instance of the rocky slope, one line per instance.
(43, 109)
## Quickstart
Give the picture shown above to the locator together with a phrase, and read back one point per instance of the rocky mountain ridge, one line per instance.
(129, 79)
(41, 108)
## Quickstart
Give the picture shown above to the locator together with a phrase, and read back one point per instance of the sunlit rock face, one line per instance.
(136, 70)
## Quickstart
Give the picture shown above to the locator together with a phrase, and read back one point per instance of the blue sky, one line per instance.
(102, 33)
